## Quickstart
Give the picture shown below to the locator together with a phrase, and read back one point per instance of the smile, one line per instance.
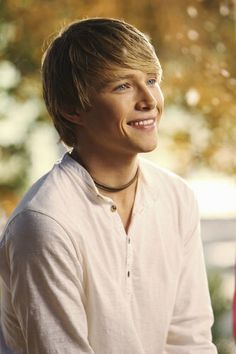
(145, 123)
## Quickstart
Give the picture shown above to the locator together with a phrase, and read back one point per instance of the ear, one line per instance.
(73, 117)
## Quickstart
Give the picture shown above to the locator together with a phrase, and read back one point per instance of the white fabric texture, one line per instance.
(73, 281)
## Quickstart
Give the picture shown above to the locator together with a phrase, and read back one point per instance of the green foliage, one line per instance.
(221, 306)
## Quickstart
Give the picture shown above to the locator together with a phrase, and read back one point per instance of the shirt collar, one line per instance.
(79, 172)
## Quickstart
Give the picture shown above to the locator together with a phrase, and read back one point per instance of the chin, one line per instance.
(149, 147)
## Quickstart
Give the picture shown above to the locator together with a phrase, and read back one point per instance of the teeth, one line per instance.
(142, 122)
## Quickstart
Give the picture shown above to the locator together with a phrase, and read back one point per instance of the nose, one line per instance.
(146, 101)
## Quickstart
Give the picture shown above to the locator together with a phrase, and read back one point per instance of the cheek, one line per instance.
(160, 97)
(114, 114)
(110, 113)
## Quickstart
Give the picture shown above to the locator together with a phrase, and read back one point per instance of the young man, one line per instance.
(104, 255)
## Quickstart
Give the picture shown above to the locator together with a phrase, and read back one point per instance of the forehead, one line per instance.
(130, 74)
(116, 73)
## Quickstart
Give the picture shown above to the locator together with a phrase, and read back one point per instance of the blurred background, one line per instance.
(196, 43)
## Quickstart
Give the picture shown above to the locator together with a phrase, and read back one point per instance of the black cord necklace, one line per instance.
(116, 189)
(104, 187)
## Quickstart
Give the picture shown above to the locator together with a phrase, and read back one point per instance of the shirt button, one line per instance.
(128, 273)
(113, 208)
(128, 240)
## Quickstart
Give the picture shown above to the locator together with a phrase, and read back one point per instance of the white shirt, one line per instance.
(75, 282)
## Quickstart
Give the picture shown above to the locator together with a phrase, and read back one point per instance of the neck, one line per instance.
(113, 173)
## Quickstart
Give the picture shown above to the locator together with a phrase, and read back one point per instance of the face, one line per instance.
(124, 115)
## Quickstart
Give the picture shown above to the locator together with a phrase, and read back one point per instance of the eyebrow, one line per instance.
(124, 77)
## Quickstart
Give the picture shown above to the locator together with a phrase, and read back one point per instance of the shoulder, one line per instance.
(34, 214)
(176, 198)
(164, 181)
(49, 194)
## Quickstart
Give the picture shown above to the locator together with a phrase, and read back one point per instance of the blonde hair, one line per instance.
(84, 55)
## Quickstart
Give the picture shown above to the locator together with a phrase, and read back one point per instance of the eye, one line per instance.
(152, 82)
(122, 87)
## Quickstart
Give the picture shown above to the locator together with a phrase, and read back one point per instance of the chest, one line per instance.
(150, 250)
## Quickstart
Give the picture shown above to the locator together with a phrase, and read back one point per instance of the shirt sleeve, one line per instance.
(46, 286)
(192, 318)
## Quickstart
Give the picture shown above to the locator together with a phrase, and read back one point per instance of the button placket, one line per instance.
(128, 270)
(128, 265)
